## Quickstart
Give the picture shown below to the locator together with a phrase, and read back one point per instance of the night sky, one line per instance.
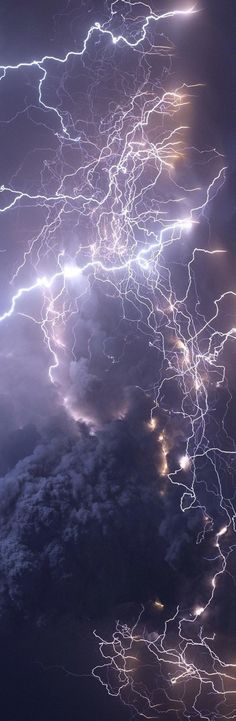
(117, 347)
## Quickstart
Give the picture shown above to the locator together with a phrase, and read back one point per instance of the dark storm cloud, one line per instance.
(80, 520)
(111, 356)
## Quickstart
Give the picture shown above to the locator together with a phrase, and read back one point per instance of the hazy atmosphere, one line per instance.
(118, 352)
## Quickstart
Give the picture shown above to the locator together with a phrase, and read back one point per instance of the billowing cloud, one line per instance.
(80, 520)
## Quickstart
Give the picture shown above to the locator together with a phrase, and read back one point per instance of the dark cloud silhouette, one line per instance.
(18, 444)
(81, 520)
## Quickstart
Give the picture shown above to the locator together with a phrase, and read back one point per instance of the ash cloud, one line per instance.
(111, 358)
(80, 521)
(83, 524)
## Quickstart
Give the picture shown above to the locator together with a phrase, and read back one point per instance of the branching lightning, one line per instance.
(134, 220)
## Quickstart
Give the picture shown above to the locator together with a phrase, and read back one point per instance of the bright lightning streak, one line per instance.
(184, 463)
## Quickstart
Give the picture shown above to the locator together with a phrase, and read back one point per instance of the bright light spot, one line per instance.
(59, 342)
(222, 531)
(164, 469)
(161, 437)
(186, 224)
(71, 271)
(152, 424)
(43, 281)
(199, 610)
(143, 263)
(159, 605)
(184, 462)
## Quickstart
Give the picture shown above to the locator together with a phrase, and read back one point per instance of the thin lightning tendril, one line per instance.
(142, 219)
